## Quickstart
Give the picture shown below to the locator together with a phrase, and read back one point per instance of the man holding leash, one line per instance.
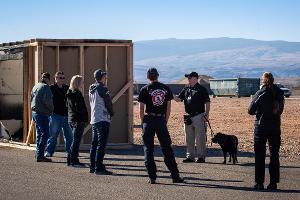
(197, 107)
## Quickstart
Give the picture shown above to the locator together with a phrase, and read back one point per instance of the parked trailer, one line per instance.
(239, 87)
(21, 64)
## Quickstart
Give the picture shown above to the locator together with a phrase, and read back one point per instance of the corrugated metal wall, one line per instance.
(226, 87)
(234, 87)
(248, 86)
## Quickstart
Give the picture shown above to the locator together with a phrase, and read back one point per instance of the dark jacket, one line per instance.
(41, 99)
(59, 99)
(77, 111)
(264, 106)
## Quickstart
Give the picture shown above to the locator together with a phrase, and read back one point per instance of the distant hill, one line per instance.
(216, 57)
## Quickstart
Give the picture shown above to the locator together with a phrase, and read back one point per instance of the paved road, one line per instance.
(22, 178)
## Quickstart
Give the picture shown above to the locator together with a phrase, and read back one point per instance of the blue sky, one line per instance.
(146, 20)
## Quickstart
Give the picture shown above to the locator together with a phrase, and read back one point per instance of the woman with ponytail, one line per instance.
(267, 105)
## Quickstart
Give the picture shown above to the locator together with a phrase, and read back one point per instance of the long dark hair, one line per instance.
(268, 81)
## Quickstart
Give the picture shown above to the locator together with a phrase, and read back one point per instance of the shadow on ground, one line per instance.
(179, 151)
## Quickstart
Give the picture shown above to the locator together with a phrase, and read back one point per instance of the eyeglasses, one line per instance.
(61, 78)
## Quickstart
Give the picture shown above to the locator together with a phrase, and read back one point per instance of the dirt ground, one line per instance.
(230, 115)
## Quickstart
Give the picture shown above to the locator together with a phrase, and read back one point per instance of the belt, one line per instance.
(194, 114)
(157, 114)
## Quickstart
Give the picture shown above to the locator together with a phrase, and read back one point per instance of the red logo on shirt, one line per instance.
(158, 97)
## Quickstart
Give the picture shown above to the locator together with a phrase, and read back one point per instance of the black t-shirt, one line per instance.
(156, 96)
(194, 98)
(59, 99)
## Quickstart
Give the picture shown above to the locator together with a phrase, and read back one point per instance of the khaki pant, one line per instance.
(196, 132)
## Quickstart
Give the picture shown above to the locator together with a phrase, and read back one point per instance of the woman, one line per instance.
(267, 105)
(77, 117)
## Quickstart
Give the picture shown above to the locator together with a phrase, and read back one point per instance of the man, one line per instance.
(59, 119)
(157, 98)
(267, 105)
(101, 113)
(42, 108)
(197, 107)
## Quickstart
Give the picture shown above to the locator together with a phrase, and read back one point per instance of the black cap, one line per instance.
(152, 71)
(98, 74)
(192, 74)
(46, 75)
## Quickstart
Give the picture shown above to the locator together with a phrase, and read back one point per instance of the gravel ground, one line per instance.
(230, 115)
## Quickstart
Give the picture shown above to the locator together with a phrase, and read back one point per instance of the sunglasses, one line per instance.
(61, 78)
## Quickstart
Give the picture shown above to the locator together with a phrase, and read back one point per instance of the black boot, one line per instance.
(272, 186)
(259, 186)
(178, 180)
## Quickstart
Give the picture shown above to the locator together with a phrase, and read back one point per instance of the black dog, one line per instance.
(228, 143)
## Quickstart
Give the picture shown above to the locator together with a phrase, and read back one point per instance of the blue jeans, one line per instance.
(100, 133)
(56, 124)
(42, 133)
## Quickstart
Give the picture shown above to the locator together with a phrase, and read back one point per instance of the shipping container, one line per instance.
(239, 87)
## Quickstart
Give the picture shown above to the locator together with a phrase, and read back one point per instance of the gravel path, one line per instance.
(22, 178)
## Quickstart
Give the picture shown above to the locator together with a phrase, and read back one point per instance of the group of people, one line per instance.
(62, 107)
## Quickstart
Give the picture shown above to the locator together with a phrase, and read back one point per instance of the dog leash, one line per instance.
(211, 131)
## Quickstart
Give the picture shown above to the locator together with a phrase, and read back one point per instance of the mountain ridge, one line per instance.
(217, 57)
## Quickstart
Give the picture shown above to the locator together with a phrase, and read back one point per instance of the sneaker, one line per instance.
(259, 186)
(272, 186)
(152, 181)
(44, 159)
(188, 160)
(103, 172)
(178, 180)
(200, 160)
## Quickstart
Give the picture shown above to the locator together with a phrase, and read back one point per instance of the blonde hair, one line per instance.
(75, 82)
(267, 79)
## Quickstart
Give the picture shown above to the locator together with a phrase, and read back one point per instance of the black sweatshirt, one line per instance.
(262, 106)
(77, 111)
(59, 99)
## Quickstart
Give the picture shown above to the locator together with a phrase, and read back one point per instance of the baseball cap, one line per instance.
(192, 74)
(98, 74)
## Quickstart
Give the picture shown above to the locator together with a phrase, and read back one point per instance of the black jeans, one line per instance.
(77, 129)
(158, 125)
(100, 132)
(260, 139)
